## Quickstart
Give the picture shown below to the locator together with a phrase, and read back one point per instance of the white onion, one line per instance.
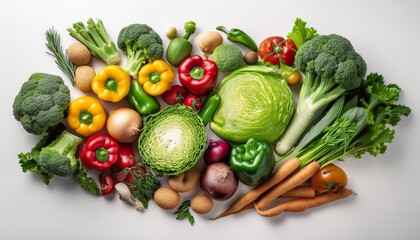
(124, 125)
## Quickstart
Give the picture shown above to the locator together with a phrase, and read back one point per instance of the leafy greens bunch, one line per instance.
(354, 127)
(331, 67)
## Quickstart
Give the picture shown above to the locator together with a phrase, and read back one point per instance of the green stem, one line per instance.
(85, 117)
(154, 77)
(111, 84)
(101, 154)
(197, 73)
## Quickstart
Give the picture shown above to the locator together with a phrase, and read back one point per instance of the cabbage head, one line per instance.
(255, 103)
(172, 140)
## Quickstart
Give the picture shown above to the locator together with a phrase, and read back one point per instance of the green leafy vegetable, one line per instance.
(255, 103)
(172, 140)
(300, 33)
(358, 129)
(331, 67)
(86, 182)
(41, 102)
(61, 59)
(30, 161)
(27, 160)
(141, 44)
(184, 212)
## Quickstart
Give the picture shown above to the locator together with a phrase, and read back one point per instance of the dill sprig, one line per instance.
(61, 59)
(144, 184)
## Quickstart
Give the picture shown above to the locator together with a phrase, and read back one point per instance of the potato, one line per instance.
(83, 78)
(208, 41)
(185, 181)
(166, 198)
(201, 204)
(78, 54)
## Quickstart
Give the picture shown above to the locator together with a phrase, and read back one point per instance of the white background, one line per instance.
(385, 33)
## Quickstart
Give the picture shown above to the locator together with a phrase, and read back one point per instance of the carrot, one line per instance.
(281, 173)
(291, 182)
(299, 192)
(301, 204)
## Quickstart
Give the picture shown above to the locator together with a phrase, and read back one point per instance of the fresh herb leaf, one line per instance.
(28, 163)
(86, 182)
(300, 33)
(184, 212)
(28, 160)
(145, 184)
(61, 59)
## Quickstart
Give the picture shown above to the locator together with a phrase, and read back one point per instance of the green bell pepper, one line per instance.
(141, 101)
(252, 162)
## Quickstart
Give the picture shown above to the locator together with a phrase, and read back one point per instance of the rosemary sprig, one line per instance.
(61, 59)
(184, 212)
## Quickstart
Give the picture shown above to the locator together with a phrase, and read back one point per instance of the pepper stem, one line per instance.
(154, 77)
(85, 117)
(197, 73)
(223, 29)
(111, 84)
(101, 154)
(250, 149)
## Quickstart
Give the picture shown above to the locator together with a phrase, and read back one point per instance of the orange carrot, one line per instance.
(301, 204)
(291, 182)
(299, 192)
(281, 173)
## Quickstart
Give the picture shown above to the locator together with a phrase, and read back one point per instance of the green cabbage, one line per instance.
(256, 103)
(172, 140)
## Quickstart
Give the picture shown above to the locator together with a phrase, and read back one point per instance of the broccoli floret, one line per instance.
(41, 102)
(141, 44)
(331, 67)
(58, 158)
(228, 58)
(96, 39)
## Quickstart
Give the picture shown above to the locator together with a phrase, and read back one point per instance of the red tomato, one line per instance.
(329, 179)
(273, 49)
(107, 183)
(193, 101)
(176, 94)
(122, 176)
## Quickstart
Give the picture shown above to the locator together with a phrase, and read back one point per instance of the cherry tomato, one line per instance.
(176, 94)
(123, 176)
(293, 78)
(329, 179)
(193, 101)
(273, 49)
(107, 183)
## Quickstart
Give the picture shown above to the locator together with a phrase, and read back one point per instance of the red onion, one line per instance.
(217, 151)
(219, 181)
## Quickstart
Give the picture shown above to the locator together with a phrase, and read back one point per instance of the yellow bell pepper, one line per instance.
(112, 83)
(86, 115)
(156, 77)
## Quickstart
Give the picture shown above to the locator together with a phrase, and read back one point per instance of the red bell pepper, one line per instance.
(126, 157)
(100, 153)
(197, 75)
(107, 183)
(273, 49)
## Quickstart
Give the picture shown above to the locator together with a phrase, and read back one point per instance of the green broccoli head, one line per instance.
(142, 44)
(332, 56)
(41, 102)
(58, 158)
(228, 58)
